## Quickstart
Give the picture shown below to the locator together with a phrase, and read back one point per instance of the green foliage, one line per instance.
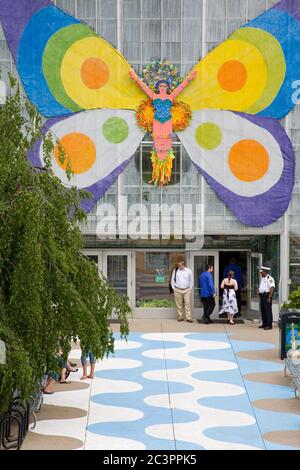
(49, 292)
(156, 303)
(294, 300)
(17, 369)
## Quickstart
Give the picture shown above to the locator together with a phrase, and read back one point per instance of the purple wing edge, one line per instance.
(98, 189)
(264, 209)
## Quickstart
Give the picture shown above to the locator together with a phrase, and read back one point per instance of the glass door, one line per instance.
(254, 280)
(198, 262)
(153, 272)
(117, 270)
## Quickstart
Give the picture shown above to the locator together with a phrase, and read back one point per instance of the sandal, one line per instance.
(47, 393)
(65, 382)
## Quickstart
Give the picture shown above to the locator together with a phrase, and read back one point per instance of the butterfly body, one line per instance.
(162, 108)
(162, 128)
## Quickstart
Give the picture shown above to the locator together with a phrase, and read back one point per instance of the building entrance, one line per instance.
(143, 273)
(238, 261)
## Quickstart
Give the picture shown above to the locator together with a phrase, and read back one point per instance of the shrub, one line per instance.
(294, 300)
(49, 292)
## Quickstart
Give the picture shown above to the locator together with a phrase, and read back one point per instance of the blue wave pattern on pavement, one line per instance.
(261, 391)
(237, 434)
(151, 415)
(267, 421)
(238, 345)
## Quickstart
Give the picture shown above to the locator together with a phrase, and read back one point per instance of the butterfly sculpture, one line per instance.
(238, 93)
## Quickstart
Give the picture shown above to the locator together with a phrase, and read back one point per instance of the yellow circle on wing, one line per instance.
(248, 160)
(79, 152)
(93, 61)
(211, 88)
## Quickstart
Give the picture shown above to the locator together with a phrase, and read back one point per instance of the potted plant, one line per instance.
(293, 302)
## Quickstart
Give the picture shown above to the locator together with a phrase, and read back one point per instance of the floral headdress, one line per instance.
(161, 72)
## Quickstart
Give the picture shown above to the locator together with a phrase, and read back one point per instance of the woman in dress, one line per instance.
(162, 131)
(229, 304)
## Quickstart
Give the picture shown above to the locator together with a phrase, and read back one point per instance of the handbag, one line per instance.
(171, 290)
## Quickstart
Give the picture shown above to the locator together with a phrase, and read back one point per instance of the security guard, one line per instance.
(266, 291)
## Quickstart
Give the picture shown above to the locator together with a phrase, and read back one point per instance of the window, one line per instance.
(153, 271)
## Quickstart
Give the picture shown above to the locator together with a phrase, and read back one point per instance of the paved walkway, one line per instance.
(177, 386)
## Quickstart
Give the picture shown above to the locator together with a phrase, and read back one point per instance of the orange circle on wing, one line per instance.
(248, 160)
(232, 75)
(94, 73)
(80, 152)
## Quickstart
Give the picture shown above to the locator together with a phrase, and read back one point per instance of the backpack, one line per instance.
(171, 290)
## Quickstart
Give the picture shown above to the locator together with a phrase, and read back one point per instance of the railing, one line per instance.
(294, 369)
(14, 423)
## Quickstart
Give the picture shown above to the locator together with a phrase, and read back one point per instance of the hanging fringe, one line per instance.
(161, 169)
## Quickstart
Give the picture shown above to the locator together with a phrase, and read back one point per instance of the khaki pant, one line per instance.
(183, 302)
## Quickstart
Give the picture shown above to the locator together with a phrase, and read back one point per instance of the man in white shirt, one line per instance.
(182, 284)
(266, 291)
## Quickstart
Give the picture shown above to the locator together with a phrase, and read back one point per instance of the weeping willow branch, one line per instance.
(49, 292)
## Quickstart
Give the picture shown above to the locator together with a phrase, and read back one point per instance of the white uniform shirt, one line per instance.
(184, 279)
(266, 283)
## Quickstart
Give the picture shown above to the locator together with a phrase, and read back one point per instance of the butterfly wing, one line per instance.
(64, 66)
(248, 161)
(255, 69)
(97, 144)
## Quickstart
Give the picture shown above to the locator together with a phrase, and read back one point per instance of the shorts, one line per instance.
(87, 355)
